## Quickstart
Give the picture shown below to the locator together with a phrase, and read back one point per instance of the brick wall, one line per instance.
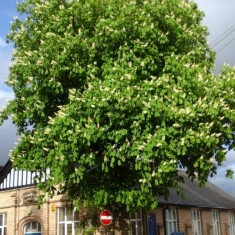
(184, 215)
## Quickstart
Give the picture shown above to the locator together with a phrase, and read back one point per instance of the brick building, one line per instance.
(204, 211)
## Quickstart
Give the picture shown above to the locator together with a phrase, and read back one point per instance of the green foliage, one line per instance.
(112, 96)
(230, 173)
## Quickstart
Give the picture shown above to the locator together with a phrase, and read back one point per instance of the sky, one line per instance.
(7, 131)
(220, 20)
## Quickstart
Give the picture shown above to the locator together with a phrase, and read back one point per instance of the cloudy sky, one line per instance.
(220, 19)
(7, 131)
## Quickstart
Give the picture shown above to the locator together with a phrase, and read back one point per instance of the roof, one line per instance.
(12, 178)
(5, 170)
(208, 196)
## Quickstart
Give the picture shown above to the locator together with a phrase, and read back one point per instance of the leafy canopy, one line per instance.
(113, 95)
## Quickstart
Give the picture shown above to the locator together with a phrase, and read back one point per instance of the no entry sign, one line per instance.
(106, 217)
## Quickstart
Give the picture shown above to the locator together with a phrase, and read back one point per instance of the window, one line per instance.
(32, 227)
(171, 220)
(136, 223)
(3, 224)
(196, 222)
(216, 223)
(68, 223)
(231, 223)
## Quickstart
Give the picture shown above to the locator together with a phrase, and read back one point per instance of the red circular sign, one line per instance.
(106, 217)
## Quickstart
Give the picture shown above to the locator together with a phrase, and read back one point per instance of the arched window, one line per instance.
(32, 228)
(216, 222)
(136, 223)
(196, 222)
(231, 222)
(171, 220)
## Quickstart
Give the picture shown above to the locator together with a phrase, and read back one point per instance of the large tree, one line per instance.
(112, 96)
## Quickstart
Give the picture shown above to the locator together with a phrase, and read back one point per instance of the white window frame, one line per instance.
(3, 226)
(66, 222)
(196, 222)
(136, 222)
(171, 220)
(216, 222)
(36, 229)
(231, 222)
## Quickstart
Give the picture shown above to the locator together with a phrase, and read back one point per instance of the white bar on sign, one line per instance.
(105, 217)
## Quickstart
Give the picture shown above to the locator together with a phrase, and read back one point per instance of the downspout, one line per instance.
(48, 216)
